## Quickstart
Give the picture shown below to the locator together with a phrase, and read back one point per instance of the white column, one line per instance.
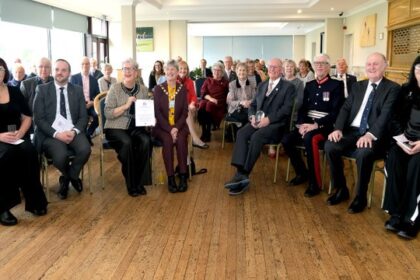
(128, 30)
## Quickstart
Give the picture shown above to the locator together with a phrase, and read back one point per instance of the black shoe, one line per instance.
(408, 231)
(393, 224)
(237, 180)
(240, 189)
(7, 218)
(141, 190)
(358, 205)
(77, 184)
(340, 195)
(183, 185)
(39, 212)
(312, 190)
(64, 187)
(133, 193)
(89, 138)
(299, 179)
(172, 187)
(204, 146)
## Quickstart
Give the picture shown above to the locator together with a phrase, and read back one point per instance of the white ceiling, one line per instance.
(272, 17)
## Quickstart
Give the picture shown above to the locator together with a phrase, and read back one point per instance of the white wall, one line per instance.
(170, 40)
(298, 47)
(312, 37)
(354, 26)
(334, 38)
(194, 51)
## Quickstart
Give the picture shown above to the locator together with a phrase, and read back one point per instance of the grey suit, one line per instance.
(380, 114)
(278, 108)
(45, 107)
(27, 87)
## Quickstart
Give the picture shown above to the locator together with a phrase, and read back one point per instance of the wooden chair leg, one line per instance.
(277, 163)
(223, 134)
(288, 170)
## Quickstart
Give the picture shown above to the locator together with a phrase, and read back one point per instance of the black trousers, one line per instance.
(134, 148)
(403, 184)
(365, 158)
(250, 141)
(19, 168)
(95, 122)
(312, 141)
(60, 151)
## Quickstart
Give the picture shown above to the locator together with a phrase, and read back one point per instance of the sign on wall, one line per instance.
(144, 39)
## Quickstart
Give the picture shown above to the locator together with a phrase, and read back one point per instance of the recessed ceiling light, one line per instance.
(299, 11)
(332, 9)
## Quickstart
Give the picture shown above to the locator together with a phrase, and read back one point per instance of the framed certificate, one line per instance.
(145, 112)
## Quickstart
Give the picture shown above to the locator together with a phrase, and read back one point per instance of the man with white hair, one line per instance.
(28, 87)
(360, 131)
(269, 116)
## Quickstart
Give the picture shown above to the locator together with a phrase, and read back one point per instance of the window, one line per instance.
(68, 45)
(26, 42)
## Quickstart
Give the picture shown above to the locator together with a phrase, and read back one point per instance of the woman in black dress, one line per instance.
(403, 162)
(19, 165)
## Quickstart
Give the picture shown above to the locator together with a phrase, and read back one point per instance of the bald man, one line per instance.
(28, 87)
(360, 131)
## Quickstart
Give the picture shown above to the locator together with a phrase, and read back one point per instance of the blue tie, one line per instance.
(63, 111)
(365, 116)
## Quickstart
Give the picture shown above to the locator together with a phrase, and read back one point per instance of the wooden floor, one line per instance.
(270, 232)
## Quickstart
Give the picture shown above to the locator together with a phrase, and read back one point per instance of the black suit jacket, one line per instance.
(381, 111)
(280, 105)
(93, 84)
(45, 108)
(350, 80)
(27, 87)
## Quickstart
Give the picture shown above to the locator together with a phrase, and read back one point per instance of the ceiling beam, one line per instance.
(155, 3)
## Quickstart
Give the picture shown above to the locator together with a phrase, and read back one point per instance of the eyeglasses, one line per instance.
(273, 67)
(417, 67)
(2, 69)
(320, 63)
(128, 69)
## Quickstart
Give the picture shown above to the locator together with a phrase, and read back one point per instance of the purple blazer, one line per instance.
(161, 104)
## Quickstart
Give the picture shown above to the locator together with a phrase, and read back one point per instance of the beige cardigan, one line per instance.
(116, 97)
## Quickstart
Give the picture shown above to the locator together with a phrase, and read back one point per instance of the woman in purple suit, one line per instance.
(171, 111)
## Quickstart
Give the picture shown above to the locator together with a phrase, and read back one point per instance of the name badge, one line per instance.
(172, 104)
(326, 96)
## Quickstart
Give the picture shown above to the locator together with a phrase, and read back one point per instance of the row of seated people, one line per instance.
(60, 118)
(362, 119)
(360, 125)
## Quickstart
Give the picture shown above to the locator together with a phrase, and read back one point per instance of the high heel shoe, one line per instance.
(203, 146)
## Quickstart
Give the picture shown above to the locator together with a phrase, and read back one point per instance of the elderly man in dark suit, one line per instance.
(275, 98)
(90, 88)
(230, 75)
(54, 101)
(27, 87)
(360, 131)
(348, 80)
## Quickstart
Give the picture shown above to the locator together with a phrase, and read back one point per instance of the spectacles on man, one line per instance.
(320, 63)
(273, 67)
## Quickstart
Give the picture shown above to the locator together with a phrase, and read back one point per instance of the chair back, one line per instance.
(99, 106)
(198, 84)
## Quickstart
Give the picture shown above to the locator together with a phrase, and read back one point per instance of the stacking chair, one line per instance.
(99, 106)
(46, 161)
(224, 124)
(323, 166)
(377, 167)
